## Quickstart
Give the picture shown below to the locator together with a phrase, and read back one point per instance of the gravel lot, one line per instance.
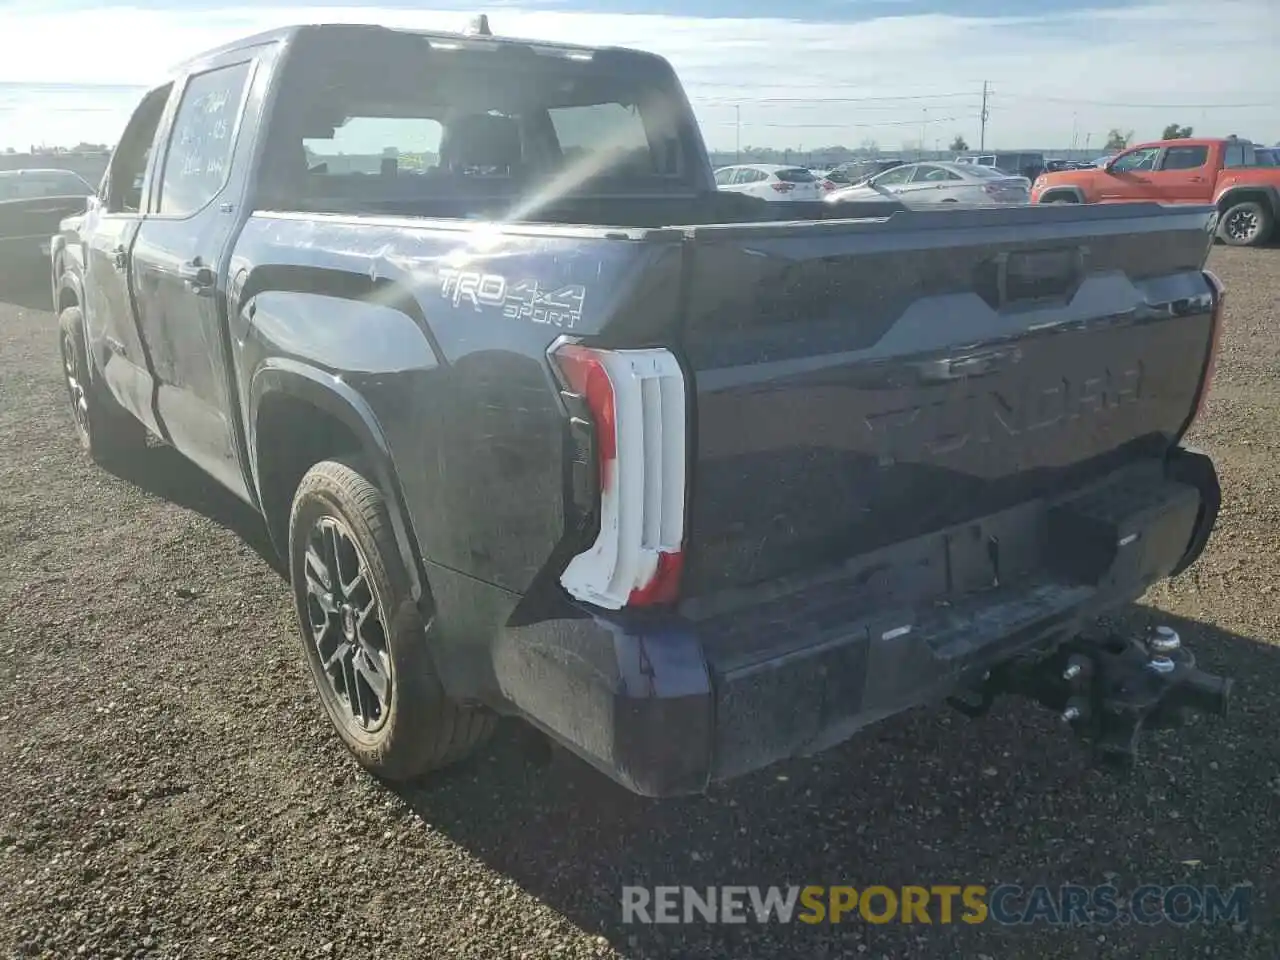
(170, 788)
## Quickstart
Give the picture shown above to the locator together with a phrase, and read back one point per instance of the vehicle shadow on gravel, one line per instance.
(28, 292)
(928, 798)
(170, 476)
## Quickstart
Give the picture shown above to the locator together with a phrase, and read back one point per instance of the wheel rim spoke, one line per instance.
(370, 670)
(75, 390)
(347, 624)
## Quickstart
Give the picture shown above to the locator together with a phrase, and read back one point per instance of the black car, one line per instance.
(32, 205)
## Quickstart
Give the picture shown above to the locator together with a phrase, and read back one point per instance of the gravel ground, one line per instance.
(170, 788)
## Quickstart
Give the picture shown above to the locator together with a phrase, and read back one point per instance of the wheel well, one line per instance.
(67, 298)
(1244, 196)
(291, 437)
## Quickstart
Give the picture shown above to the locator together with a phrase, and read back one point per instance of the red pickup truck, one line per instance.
(1229, 173)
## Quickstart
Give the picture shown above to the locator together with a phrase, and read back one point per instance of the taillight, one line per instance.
(636, 400)
(781, 186)
(1215, 339)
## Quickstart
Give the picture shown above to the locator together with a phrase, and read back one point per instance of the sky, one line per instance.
(759, 72)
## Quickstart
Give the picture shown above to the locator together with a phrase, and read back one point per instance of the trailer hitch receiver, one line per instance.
(1108, 691)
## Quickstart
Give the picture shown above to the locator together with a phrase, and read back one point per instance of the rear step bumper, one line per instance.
(666, 703)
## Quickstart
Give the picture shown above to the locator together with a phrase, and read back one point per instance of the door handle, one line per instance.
(120, 258)
(197, 278)
(1197, 179)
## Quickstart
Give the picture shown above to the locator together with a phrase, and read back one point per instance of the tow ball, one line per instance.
(1108, 691)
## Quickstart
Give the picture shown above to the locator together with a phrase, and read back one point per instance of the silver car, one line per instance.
(940, 182)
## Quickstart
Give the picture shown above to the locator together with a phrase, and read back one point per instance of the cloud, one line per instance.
(788, 82)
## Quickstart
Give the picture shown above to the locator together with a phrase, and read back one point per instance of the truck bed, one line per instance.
(853, 383)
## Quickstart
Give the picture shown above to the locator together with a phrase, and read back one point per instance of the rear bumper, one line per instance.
(666, 703)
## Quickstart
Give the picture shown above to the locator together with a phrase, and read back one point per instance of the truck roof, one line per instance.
(1192, 142)
(472, 39)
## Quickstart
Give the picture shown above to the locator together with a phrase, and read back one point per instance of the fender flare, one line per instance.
(1051, 193)
(301, 381)
(66, 278)
(1271, 191)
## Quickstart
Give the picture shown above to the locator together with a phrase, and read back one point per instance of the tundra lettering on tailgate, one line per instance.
(947, 425)
(521, 300)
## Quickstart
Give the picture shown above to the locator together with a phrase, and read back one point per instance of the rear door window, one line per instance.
(198, 162)
(931, 174)
(897, 175)
(1184, 158)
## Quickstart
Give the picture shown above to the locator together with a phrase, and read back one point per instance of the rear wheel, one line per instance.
(1246, 224)
(1061, 198)
(362, 634)
(106, 430)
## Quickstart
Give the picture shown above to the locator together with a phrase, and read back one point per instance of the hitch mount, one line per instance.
(1109, 690)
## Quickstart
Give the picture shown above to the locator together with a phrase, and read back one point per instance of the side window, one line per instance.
(933, 175)
(203, 138)
(1135, 160)
(1185, 158)
(724, 177)
(1234, 155)
(895, 176)
(121, 189)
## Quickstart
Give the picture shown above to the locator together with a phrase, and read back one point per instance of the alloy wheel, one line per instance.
(347, 625)
(1241, 225)
(75, 384)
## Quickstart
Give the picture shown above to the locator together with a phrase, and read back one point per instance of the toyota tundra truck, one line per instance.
(546, 427)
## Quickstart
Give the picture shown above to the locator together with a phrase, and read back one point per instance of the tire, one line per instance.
(1061, 198)
(107, 432)
(1246, 224)
(365, 623)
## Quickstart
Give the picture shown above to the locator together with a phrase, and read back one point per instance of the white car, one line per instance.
(940, 182)
(770, 181)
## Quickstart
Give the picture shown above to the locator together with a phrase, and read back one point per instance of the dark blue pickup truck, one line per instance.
(546, 427)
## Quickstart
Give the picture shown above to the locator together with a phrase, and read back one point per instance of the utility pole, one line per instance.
(982, 134)
(924, 125)
(737, 123)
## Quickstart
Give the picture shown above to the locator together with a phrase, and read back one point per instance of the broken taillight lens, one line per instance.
(636, 400)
